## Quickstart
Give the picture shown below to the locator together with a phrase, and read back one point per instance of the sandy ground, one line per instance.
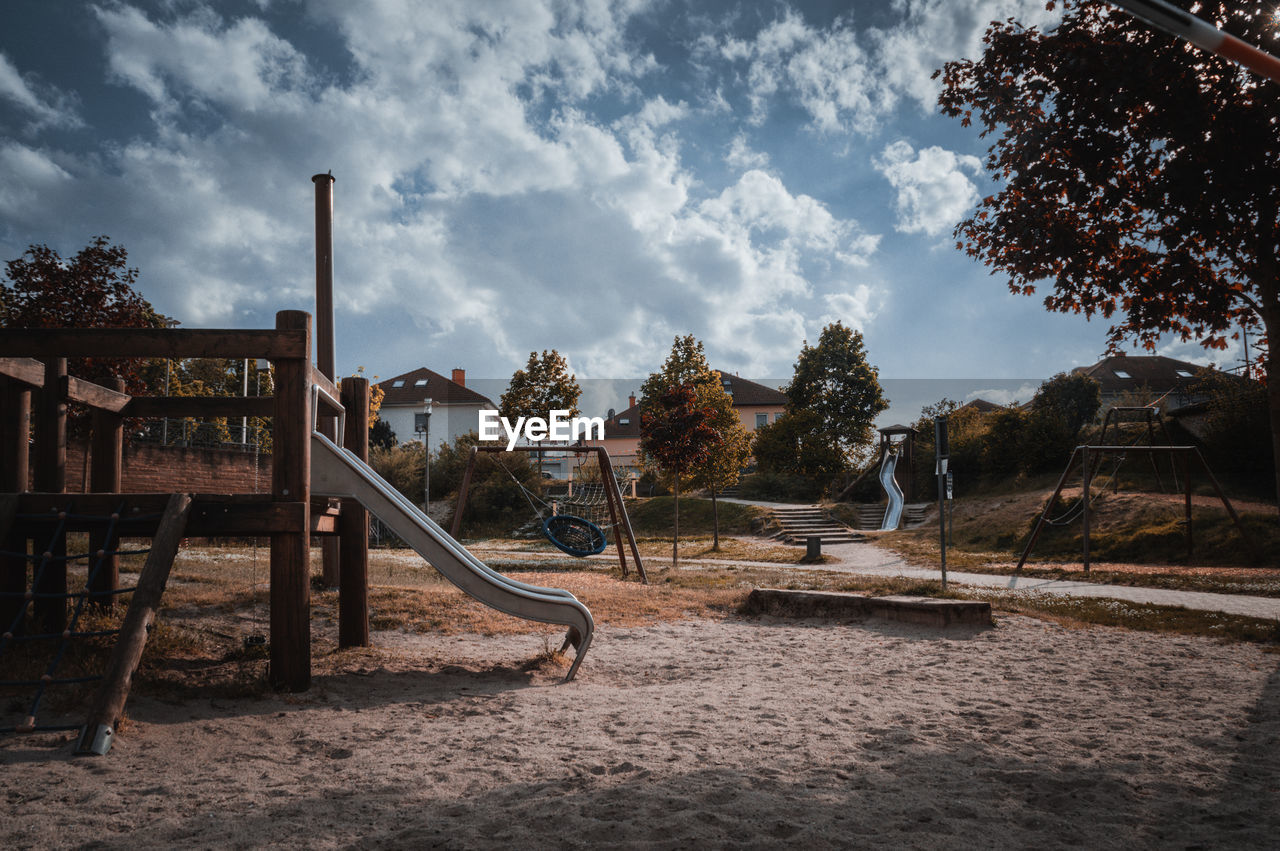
(736, 732)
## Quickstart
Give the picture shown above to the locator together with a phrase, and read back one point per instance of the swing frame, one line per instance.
(613, 497)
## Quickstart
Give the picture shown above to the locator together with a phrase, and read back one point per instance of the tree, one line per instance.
(544, 385)
(687, 365)
(678, 434)
(93, 289)
(834, 381)
(797, 444)
(722, 468)
(1140, 177)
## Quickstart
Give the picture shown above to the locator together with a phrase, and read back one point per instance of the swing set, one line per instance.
(561, 520)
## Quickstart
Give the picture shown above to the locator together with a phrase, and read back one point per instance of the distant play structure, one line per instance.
(1086, 458)
(562, 520)
(896, 461)
(321, 485)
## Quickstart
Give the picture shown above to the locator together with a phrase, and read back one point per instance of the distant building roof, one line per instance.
(745, 393)
(1120, 373)
(624, 424)
(412, 387)
(982, 406)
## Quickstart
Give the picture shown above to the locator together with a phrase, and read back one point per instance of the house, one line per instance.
(1136, 380)
(455, 410)
(755, 403)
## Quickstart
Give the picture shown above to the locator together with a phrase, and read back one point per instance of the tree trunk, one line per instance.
(715, 522)
(1271, 323)
(675, 538)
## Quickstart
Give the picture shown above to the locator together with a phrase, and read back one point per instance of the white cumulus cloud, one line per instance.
(933, 191)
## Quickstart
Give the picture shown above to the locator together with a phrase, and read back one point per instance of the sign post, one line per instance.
(943, 452)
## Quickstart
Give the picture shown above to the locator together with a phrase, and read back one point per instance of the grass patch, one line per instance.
(1076, 611)
(653, 517)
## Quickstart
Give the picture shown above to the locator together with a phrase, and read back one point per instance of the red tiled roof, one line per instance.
(624, 424)
(440, 390)
(746, 393)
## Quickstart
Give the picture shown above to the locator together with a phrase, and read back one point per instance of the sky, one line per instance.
(518, 175)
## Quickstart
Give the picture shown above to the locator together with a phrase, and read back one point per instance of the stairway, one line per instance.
(871, 515)
(803, 522)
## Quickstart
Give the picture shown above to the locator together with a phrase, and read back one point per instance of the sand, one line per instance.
(714, 732)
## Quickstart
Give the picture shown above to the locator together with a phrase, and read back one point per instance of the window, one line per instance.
(419, 421)
(1120, 373)
(399, 382)
(762, 420)
(421, 382)
(1182, 373)
(624, 421)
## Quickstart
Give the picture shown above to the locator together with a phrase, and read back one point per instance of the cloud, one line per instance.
(827, 72)
(934, 32)
(46, 105)
(740, 154)
(933, 191)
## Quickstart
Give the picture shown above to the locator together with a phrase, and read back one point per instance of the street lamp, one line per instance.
(425, 431)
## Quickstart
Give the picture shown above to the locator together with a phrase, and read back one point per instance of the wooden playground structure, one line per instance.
(33, 362)
(34, 523)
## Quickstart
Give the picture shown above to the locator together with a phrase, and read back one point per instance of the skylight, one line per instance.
(399, 382)
(421, 382)
(1120, 373)
(1182, 373)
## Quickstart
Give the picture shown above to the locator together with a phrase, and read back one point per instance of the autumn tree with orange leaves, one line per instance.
(1139, 177)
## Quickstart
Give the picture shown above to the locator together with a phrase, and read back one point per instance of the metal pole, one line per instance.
(941, 450)
(426, 451)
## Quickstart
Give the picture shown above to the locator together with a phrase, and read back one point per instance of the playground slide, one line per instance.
(338, 472)
(893, 513)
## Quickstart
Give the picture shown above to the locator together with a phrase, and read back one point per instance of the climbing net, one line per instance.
(40, 639)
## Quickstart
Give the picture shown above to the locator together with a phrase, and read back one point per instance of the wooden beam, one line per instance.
(143, 606)
(96, 396)
(201, 407)
(27, 370)
(212, 515)
(326, 407)
(46, 343)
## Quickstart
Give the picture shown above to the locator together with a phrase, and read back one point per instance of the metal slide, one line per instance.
(338, 472)
(893, 513)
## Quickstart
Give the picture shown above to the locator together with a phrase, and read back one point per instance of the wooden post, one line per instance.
(353, 526)
(456, 526)
(51, 477)
(325, 356)
(291, 482)
(98, 732)
(15, 435)
(611, 487)
(105, 477)
(1084, 495)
